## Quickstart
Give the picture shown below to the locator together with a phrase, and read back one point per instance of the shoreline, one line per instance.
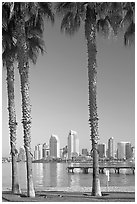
(81, 189)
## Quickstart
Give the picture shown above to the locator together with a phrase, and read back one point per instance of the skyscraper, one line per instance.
(73, 144)
(124, 150)
(128, 150)
(38, 154)
(54, 146)
(45, 150)
(111, 148)
(121, 150)
(102, 150)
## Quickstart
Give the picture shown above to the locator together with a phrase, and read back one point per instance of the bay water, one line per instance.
(56, 175)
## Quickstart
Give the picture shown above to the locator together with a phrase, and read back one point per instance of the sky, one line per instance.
(59, 91)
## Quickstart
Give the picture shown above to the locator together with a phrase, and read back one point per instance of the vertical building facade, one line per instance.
(84, 152)
(38, 152)
(110, 152)
(102, 150)
(128, 150)
(121, 150)
(73, 144)
(54, 146)
(45, 150)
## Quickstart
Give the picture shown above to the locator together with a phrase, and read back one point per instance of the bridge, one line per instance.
(101, 168)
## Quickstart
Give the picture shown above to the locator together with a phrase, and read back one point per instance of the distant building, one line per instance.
(38, 152)
(110, 152)
(102, 150)
(65, 152)
(124, 150)
(21, 154)
(84, 152)
(73, 144)
(128, 150)
(54, 146)
(121, 150)
(45, 150)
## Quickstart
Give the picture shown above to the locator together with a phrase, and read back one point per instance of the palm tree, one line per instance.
(28, 29)
(8, 57)
(96, 16)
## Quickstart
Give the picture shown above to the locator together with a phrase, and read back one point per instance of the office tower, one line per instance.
(54, 146)
(65, 152)
(121, 150)
(38, 152)
(102, 150)
(73, 144)
(85, 152)
(128, 150)
(21, 155)
(110, 152)
(45, 150)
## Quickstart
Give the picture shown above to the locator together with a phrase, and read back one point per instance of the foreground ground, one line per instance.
(63, 196)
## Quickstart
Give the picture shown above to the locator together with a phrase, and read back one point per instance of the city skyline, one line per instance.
(106, 150)
(59, 91)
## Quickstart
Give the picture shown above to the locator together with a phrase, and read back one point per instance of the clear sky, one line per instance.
(59, 91)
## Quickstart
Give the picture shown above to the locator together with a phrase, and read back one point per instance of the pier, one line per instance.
(101, 168)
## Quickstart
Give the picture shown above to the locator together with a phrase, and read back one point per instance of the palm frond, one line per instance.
(45, 8)
(103, 27)
(129, 34)
(63, 8)
(70, 23)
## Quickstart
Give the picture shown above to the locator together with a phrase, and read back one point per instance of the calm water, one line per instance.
(56, 175)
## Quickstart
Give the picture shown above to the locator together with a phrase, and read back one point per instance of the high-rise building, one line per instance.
(128, 150)
(65, 152)
(124, 150)
(121, 150)
(54, 146)
(73, 144)
(38, 154)
(110, 152)
(102, 150)
(45, 150)
(85, 152)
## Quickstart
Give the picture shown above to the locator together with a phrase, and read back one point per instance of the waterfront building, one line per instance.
(65, 152)
(121, 150)
(128, 150)
(21, 154)
(84, 152)
(102, 150)
(73, 144)
(54, 146)
(124, 150)
(110, 152)
(45, 150)
(38, 153)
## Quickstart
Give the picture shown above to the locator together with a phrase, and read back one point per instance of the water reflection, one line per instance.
(56, 175)
(38, 168)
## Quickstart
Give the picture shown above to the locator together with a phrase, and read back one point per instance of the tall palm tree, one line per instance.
(96, 16)
(8, 57)
(28, 29)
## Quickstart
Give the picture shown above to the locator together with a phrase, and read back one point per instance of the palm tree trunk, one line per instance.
(90, 34)
(12, 125)
(26, 106)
